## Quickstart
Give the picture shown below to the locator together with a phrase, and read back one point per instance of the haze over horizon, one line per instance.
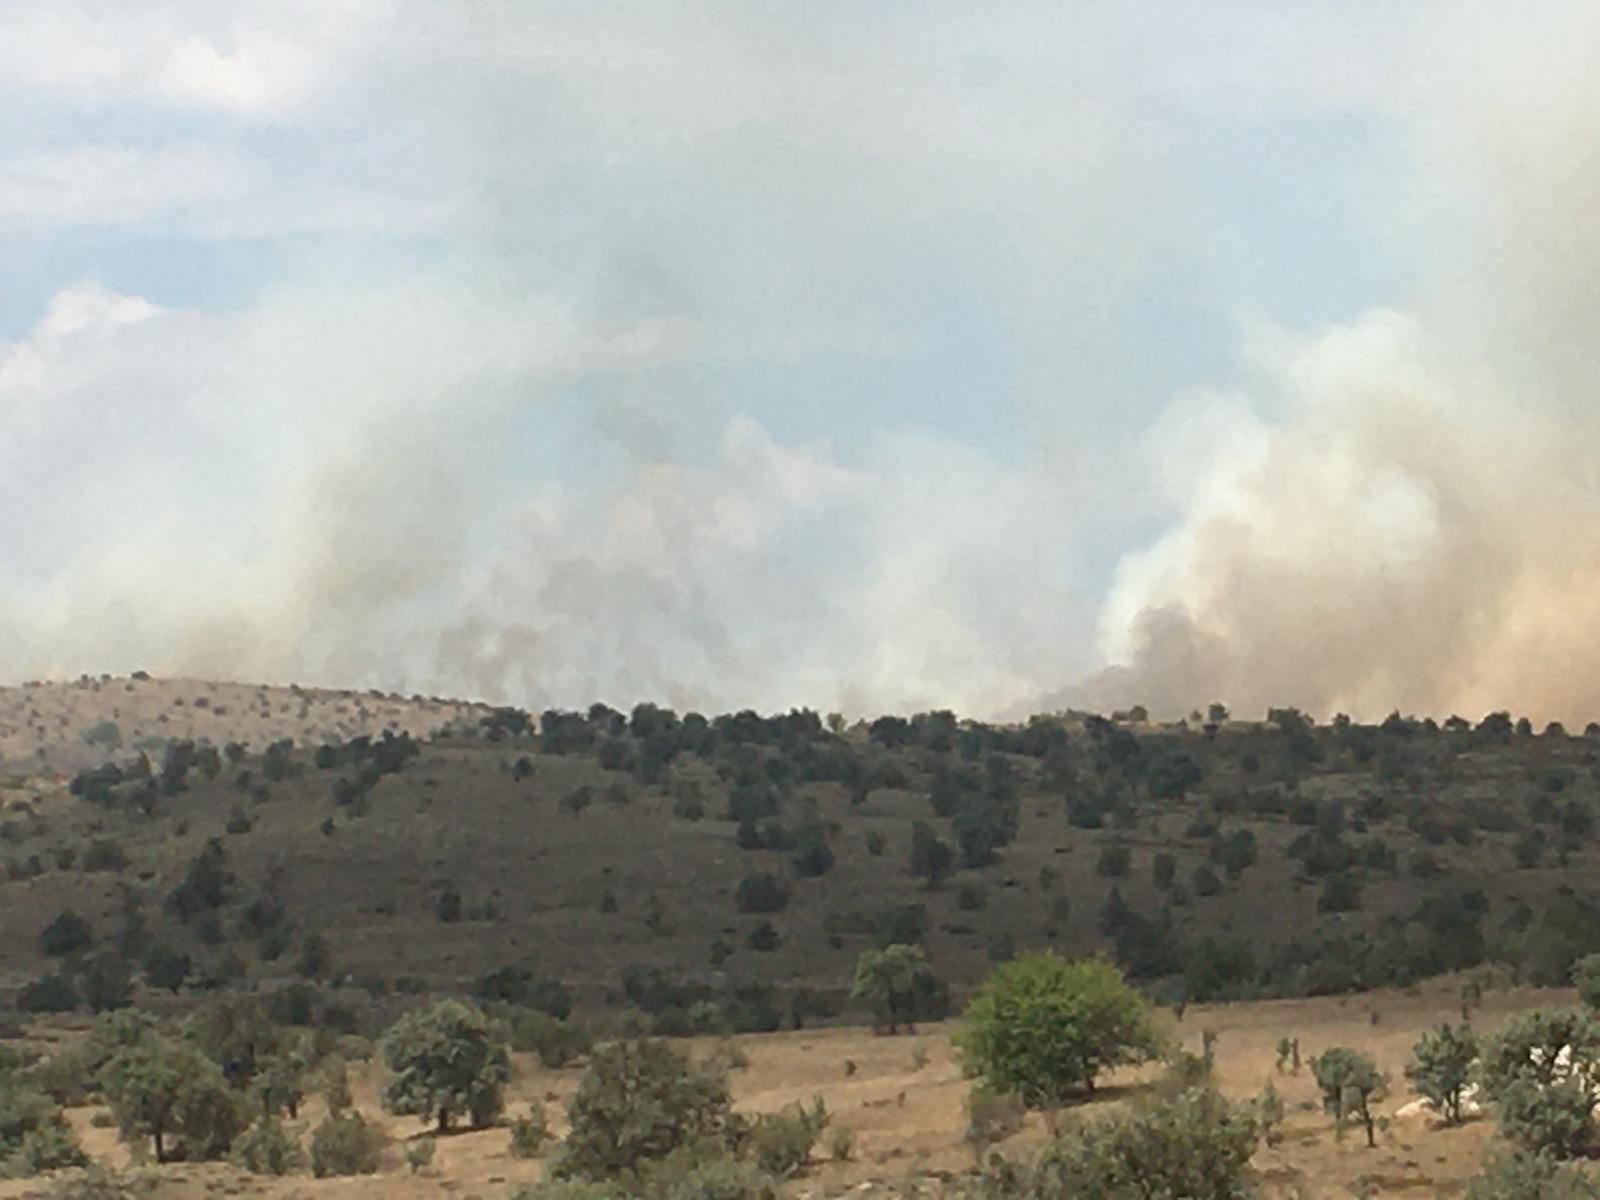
(866, 358)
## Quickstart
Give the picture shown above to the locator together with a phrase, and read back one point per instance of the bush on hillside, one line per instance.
(636, 1104)
(345, 1143)
(266, 1148)
(446, 1061)
(1523, 1176)
(1045, 1028)
(1441, 1067)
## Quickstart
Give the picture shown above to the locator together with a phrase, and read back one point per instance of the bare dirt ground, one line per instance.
(42, 724)
(903, 1099)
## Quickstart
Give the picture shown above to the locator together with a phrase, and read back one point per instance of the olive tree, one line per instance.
(1542, 1071)
(890, 981)
(1044, 1028)
(1441, 1068)
(637, 1103)
(164, 1090)
(1350, 1081)
(444, 1061)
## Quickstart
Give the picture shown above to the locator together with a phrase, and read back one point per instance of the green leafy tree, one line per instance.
(890, 981)
(1044, 1027)
(637, 1103)
(1193, 1145)
(236, 1032)
(1350, 1082)
(345, 1143)
(34, 1133)
(66, 934)
(930, 859)
(165, 967)
(1441, 1068)
(106, 982)
(444, 1061)
(266, 1148)
(165, 1090)
(1542, 1072)
(48, 993)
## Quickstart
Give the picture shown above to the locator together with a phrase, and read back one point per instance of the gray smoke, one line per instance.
(373, 483)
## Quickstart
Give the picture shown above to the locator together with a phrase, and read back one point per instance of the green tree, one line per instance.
(106, 982)
(235, 1032)
(34, 1133)
(266, 1148)
(161, 1090)
(446, 1060)
(1044, 1028)
(66, 934)
(165, 967)
(1193, 1145)
(637, 1103)
(930, 859)
(1350, 1081)
(345, 1143)
(1441, 1067)
(890, 980)
(1542, 1071)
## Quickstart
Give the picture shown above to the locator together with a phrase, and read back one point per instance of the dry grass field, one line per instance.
(904, 1102)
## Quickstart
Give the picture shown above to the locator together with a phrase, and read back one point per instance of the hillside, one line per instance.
(613, 853)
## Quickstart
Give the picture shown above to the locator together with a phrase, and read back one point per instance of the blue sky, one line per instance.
(829, 354)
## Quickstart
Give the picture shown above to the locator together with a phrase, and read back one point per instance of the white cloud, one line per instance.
(250, 60)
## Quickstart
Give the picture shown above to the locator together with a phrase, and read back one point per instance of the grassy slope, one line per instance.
(457, 815)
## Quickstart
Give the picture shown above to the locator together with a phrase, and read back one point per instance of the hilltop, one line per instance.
(55, 728)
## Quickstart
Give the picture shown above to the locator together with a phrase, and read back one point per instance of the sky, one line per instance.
(1000, 357)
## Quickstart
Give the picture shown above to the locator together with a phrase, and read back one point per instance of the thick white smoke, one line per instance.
(364, 475)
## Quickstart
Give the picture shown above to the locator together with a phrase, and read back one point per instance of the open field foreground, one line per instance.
(904, 1099)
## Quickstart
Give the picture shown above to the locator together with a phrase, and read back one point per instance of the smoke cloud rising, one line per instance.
(857, 361)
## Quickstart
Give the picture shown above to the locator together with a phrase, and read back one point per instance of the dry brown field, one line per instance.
(904, 1102)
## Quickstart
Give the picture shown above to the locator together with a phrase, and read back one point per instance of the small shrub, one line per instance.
(419, 1154)
(762, 894)
(345, 1144)
(636, 1104)
(991, 1117)
(1523, 1176)
(66, 934)
(557, 1043)
(1194, 1145)
(34, 1134)
(100, 1184)
(267, 1149)
(1349, 1081)
(48, 994)
(529, 1133)
(1441, 1067)
(842, 1144)
(781, 1142)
